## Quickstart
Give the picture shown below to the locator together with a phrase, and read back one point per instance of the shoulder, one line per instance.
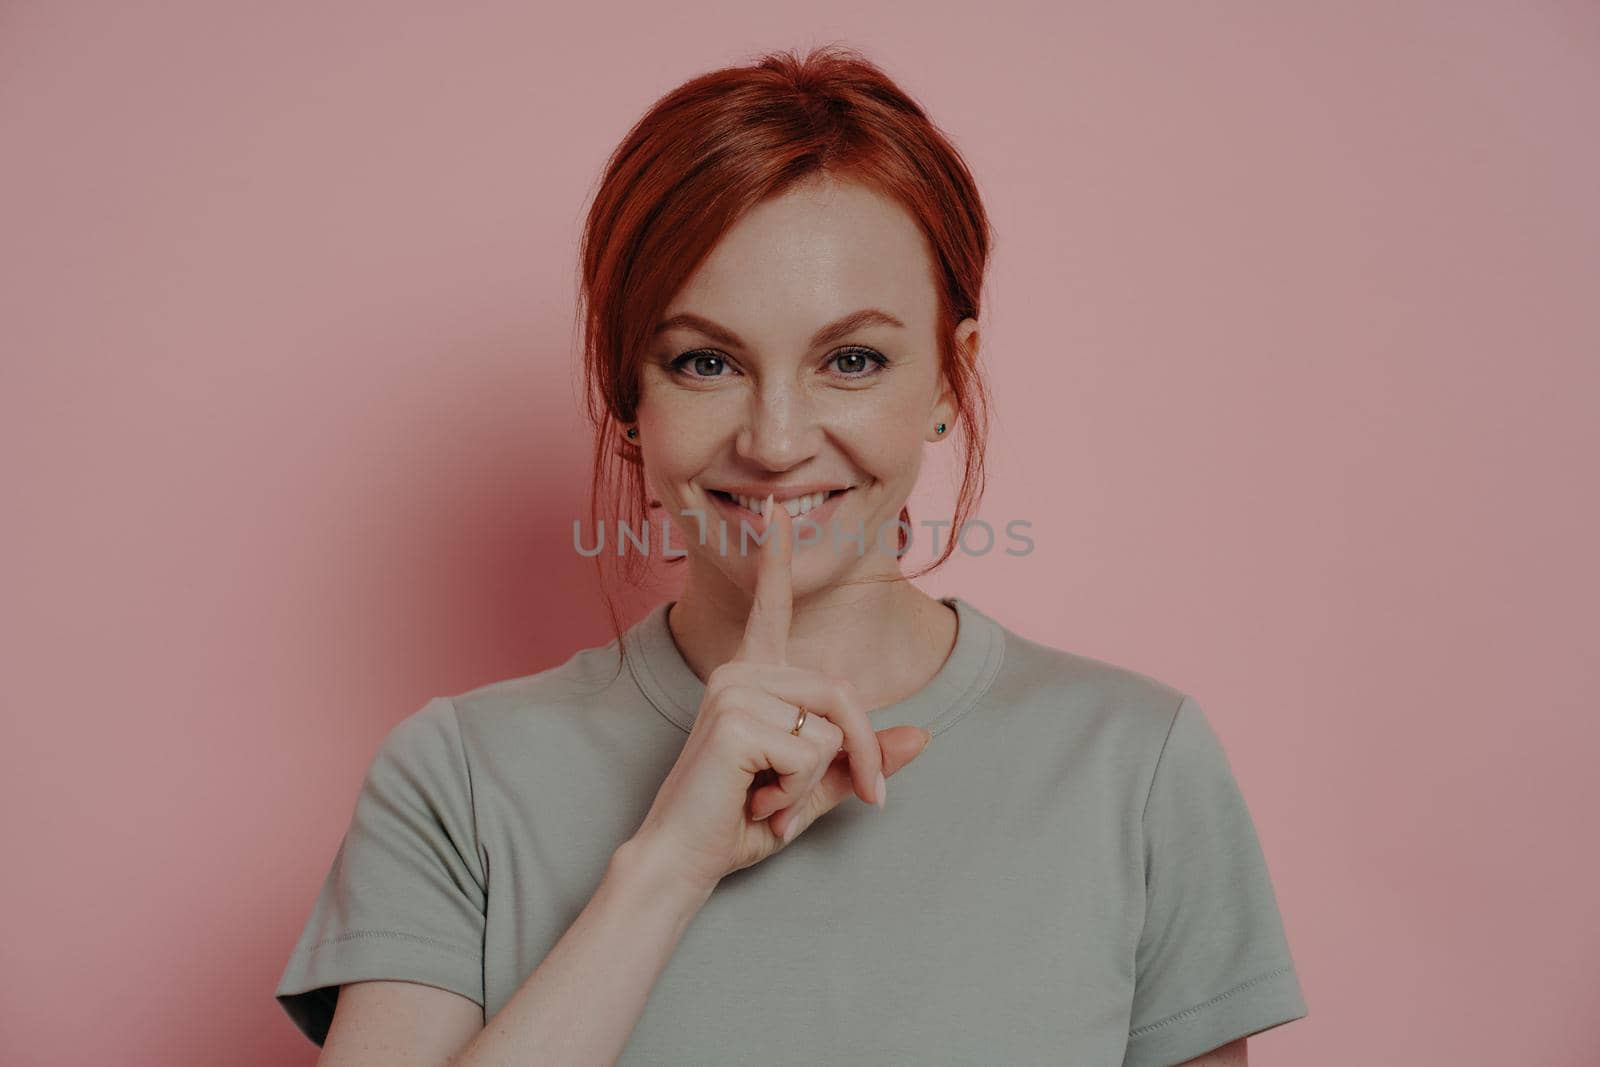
(584, 674)
(586, 687)
(1096, 693)
(1096, 722)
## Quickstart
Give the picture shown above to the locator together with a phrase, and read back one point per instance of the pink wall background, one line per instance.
(1293, 331)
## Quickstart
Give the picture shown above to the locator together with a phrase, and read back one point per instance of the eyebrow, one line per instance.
(834, 331)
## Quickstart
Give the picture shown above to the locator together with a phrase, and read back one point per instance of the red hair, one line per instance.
(707, 152)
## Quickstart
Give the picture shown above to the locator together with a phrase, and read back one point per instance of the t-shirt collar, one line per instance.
(667, 681)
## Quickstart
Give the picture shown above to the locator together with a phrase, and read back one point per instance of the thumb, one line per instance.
(900, 745)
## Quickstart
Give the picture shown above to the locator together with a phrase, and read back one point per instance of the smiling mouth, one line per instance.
(797, 507)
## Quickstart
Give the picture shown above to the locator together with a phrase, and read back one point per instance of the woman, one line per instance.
(675, 849)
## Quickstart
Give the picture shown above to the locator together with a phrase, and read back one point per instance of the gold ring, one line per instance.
(799, 722)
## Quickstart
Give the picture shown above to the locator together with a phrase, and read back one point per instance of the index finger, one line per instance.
(766, 631)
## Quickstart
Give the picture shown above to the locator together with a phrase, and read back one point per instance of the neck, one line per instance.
(887, 638)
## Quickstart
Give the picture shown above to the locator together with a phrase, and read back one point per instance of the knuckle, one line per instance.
(732, 726)
(717, 702)
(735, 697)
(832, 737)
(721, 676)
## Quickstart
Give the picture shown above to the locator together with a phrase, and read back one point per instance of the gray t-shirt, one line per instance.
(1068, 873)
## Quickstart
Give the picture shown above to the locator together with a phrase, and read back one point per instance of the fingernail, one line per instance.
(926, 739)
(794, 828)
(882, 791)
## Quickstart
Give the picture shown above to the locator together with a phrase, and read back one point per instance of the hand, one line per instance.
(706, 818)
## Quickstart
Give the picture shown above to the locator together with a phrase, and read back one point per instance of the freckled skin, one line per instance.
(776, 409)
(779, 411)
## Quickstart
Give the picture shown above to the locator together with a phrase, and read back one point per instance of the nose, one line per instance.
(780, 429)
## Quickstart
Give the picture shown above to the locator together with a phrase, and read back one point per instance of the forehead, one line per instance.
(820, 250)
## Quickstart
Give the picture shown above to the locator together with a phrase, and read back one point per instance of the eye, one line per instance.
(700, 359)
(860, 362)
(705, 364)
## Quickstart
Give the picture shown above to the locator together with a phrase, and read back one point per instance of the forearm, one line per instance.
(581, 1003)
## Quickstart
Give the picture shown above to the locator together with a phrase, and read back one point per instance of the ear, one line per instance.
(944, 408)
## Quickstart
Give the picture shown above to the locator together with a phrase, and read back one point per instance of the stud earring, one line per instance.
(939, 428)
(633, 431)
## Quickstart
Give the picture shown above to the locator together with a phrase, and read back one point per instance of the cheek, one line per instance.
(683, 422)
(887, 431)
(677, 452)
(682, 447)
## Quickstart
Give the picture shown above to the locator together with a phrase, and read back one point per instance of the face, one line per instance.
(767, 376)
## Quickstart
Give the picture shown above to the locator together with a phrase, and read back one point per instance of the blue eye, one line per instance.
(861, 363)
(867, 358)
(700, 359)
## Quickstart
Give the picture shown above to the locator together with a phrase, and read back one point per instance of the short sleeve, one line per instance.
(405, 896)
(1213, 962)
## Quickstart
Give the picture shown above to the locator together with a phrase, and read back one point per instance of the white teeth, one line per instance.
(795, 507)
